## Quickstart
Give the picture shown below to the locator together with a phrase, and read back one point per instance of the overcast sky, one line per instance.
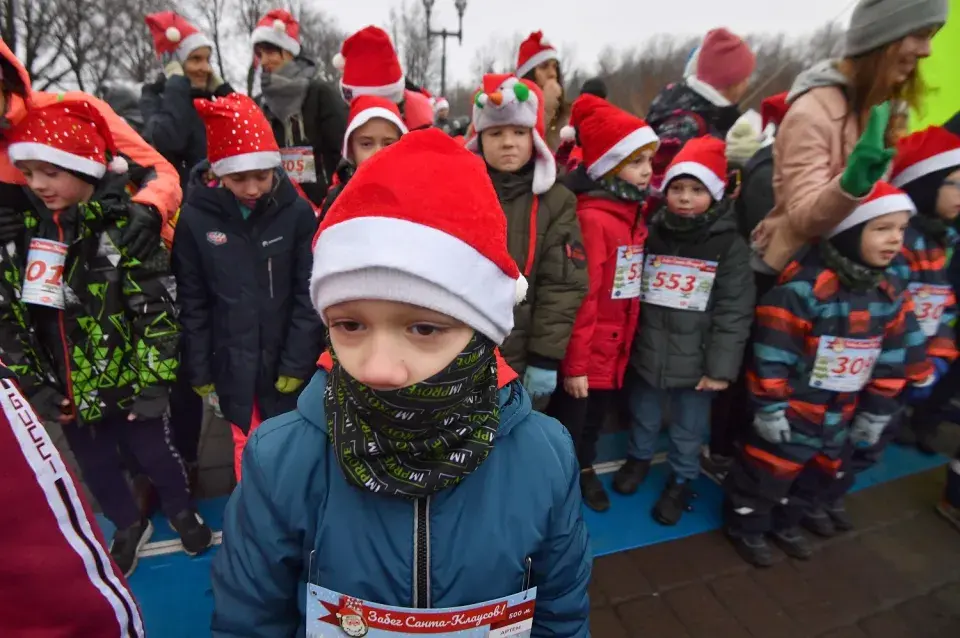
(590, 25)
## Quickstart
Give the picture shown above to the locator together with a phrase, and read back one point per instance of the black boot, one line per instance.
(673, 502)
(819, 522)
(127, 543)
(837, 511)
(194, 534)
(716, 466)
(752, 548)
(630, 476)
(594, 495)
(927, 441)
(793, 543)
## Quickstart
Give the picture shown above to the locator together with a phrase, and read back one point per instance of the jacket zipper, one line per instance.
(63, 333)
(421, 553)
(270, 274)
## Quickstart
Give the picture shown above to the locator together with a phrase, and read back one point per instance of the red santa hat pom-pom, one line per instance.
(173, 34)
(568, 133)
(521, 292)
(339, 62)
(118, 165)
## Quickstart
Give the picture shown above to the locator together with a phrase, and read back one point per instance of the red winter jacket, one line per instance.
(56, 577)
(603, 331)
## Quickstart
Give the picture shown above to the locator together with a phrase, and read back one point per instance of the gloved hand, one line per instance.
(173, 68)
(142, 232)
(870, 156)
(151, 403)
(772, 427)
(204, 390)
(288, 385)
(11, 224)
(922, 391)
(539, 382)
(867, 428)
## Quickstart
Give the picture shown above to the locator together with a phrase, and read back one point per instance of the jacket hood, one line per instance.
(15, 78)
(579, 182)
(823, 73)
(220, 201)
(514, 402)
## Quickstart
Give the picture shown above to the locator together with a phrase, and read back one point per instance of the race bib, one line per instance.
(930, 301)
(626, 279)
(43, 280)
(300, 164)
(844, 365)
(332, 614)
(677, 282)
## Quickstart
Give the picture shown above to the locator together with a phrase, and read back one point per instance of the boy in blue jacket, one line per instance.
(242, 261)
(414, 473)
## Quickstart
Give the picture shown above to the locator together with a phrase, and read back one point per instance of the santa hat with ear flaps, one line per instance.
(608, 135)
(704, 158)
(239, 137)
(924, 152)
(505, 100)
(173, 35)
(882, 200)
(280, 29)
(370, 66)
(534, 51)
(393, 235)
(366, 108)
(71, 135)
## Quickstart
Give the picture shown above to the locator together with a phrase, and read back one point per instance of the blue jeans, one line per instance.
(689, 425)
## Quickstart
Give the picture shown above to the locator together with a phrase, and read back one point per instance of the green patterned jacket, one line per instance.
(114, 347)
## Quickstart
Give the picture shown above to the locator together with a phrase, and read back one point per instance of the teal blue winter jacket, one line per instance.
(473, 542)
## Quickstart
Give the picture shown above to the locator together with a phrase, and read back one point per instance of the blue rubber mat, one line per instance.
(174, 595)
(211, 510)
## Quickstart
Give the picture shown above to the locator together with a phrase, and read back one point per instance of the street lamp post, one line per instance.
(461, 6)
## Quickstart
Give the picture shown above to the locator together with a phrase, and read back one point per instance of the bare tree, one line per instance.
(212, 14)
(248, 14)
(29, 30)
(320, 38)
(408, 28)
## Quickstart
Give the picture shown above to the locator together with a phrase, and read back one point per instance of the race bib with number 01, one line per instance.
(677, 282)
(300, 164)
(332, 614)
(626, 278)
(930, 301)
(43, 279)
(844, 365)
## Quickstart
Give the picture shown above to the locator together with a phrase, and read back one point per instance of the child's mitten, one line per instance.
(539, 382)
(870, 157)
(288, 385)
(772, 426)
(867, 428)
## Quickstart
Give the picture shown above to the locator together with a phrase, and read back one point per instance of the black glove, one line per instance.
(152, 402)
(11, 224)
(142, 233)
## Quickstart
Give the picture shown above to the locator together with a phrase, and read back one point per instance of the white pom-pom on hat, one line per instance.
(279, 25)
(173, 34)
(339, 62)
(521, 292)
(568, 133)
(484, 98)
(545, 43)
(118, 165)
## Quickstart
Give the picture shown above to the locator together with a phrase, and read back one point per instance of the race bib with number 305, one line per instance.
(300, 164)
(677, 282)
(844, 365)
(43, 279)
(626, 279)
(930, 301)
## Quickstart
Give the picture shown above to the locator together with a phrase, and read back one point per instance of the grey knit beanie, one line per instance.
(877, 23)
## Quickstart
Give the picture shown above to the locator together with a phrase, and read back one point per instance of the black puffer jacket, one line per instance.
(680, 112)
(244, 296)
(673, 347)
(172, 124)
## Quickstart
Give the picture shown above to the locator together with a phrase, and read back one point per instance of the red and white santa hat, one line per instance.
(928, 151)
(280, 29)
(882, 200)
(71, 135)
(174, 35)
(704, 158)
(505, 100)
(393, 235)
(440, 103)
(366, 108)
(370, 66)
(607, 135)
(239, 137)
(534, 51)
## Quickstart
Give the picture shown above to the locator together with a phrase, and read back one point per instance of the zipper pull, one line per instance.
(270, 274)
(527, 573)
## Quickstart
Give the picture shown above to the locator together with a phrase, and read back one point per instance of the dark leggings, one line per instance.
(583, 418)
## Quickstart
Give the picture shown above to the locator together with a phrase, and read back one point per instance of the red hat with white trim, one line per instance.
(366, 108)
(174, 35)
(924, 152)
(882, 200)
(280, 29)
(607, 135)
(70, 135)
(704, 158)
(534, 51)
(393, 235)
(505, 100)
(370, 66)
(239, 137)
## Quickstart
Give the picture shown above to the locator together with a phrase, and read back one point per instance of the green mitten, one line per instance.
(870, 157)
(204, 390)
(288, 385)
